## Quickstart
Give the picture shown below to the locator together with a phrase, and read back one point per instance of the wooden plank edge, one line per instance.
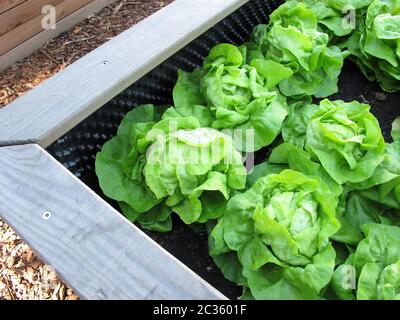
(50, 121)
(30, 176)
(37, 41)
(9, 6)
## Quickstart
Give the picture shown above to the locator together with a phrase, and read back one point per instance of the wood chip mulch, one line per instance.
(22, 274)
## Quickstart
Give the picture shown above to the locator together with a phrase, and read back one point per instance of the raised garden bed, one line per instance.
(96, 121)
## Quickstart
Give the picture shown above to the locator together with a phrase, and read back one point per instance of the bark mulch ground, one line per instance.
(22, 274)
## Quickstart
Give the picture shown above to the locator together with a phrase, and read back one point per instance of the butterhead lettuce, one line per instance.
(292, 39)
(346, 139)
(233, 96)
(159, 163)
(343, 136)
(119, 168)
(280, 230)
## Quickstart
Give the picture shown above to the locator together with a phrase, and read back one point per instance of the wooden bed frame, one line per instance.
(94, 249)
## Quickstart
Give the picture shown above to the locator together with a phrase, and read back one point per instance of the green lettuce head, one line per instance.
(163, 162)
(376, 44)
(280, 230)
(228, 95)
(373, 271)
(346, 139)
(292, 39)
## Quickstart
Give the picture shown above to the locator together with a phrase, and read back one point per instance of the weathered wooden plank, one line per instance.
(22, 13)
(37, 41)
(92, 247)
(8, 4)
(16, 36)
(52, 109)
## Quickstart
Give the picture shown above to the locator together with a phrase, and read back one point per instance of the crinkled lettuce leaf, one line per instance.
(225, 258)
(294, 128)
(355, 210)
(120, 163)
(373, 271)
(338, 17)
(188, 99)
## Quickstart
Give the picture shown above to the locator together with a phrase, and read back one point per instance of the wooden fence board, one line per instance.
(27, 30)
(22, 13)
(8, 4)
(31, 45)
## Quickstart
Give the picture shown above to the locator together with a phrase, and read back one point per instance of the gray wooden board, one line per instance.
(92, 247)
(38, 40)
(52, 109)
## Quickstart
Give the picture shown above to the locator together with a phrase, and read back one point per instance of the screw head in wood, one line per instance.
(46, 215)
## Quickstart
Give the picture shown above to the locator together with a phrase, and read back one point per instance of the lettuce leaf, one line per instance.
(375, 45)
(355, 210)
(119, 164)
(335, 16)
(294, 128)
(396, 129)
(373, 271)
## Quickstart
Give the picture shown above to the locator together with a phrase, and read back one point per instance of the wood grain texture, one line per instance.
(52, 109)
(92, 247)
(18, 35)
(8, 4)
(37, 41)
(22, 13)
